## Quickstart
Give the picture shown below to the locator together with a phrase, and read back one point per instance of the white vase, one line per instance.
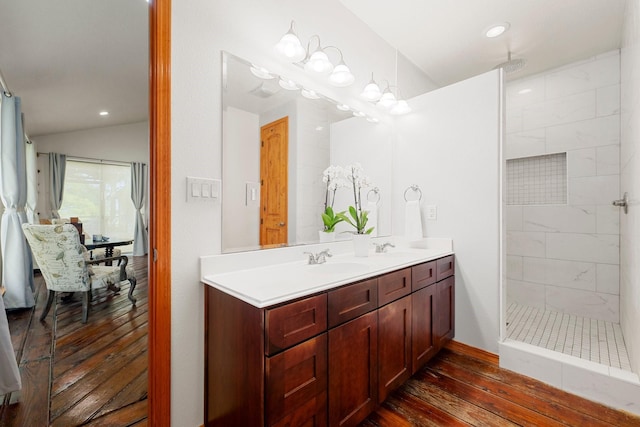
(361, 244)
(326, 237)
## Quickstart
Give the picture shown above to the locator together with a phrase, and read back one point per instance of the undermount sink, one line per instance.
(338, 268)
(394, 254)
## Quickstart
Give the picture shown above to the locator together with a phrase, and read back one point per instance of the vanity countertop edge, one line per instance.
(268, 282)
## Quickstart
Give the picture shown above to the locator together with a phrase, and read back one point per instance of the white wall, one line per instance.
(566, 257)
(451, 147)
(242, 151)
(630, 181)
(125, 143)
(201, 29)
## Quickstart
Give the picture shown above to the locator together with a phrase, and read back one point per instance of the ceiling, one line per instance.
(70, 59)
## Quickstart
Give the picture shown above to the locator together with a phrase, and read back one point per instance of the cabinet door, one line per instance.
(394, 346)
(446, 310)
(423, 326)
(353, 370)
(296, 383)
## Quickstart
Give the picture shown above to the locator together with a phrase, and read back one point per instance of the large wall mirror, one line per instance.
(274, 197)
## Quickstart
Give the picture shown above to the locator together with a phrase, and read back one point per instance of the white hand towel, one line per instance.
(412, 221)
(372, 217)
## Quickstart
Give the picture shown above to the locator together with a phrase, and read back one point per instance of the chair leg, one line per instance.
(50, 298)
(131, 288)
(85, 306)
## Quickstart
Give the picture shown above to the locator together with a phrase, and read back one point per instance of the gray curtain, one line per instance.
(138, 196)
(17, 272)
(32, 182)
(57, 167)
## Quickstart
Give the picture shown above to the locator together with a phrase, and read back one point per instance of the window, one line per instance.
(99, 195)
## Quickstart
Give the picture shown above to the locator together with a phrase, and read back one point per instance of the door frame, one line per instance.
(159, 338)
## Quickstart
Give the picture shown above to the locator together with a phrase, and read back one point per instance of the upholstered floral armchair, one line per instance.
(66, 267)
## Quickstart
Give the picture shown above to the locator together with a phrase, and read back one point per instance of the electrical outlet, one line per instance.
(432, 212)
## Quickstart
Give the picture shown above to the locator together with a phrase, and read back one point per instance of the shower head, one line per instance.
(511, 65)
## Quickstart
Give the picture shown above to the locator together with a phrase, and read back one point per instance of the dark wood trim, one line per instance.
(477, 353)
(160, 213)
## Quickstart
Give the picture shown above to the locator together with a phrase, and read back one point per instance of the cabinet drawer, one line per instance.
(296, 383)
(445, 267)
(394, 285)
(293, 323)
(351, 301)
(423, 275)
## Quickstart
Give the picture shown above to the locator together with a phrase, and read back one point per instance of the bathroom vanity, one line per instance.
(327, 357)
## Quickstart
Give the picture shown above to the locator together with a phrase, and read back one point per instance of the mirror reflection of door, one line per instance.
(274, 152)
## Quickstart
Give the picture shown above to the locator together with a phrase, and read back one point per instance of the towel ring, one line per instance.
(415, 188)
(375, 191)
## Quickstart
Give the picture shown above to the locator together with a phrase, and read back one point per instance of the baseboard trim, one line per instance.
(474, 352)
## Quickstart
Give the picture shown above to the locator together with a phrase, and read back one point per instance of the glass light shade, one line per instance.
(288, 84)
(318, 63)
(359, 114)
(371, 92)
(341, 76)
(309, 94)
(290, 48)
(261, 72)
(343, 107)
(372, 119)
(401, 107)
(387, 100)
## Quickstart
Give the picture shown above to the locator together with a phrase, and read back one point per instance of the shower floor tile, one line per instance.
(590, 339)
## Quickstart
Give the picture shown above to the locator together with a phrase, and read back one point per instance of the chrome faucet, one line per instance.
(383, 247)
(319, 258)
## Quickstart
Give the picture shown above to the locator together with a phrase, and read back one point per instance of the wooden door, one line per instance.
(394, 346)
(274, 155)
(423, 326)
(353, 370)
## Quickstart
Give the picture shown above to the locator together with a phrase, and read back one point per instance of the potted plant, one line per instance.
(358, 217)
(333, 178)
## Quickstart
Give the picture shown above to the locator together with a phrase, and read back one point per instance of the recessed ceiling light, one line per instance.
(104, 113)
(496, 30)
(523, 91)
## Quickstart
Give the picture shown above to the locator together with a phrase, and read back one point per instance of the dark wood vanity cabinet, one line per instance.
(327, 359)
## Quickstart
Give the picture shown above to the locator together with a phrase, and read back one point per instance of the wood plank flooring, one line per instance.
(463, 386)
(74, 374)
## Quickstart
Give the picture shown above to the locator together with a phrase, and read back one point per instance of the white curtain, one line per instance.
(17, 272)
(32, 183)
(9, 373)
(138, 196)
(57, 167)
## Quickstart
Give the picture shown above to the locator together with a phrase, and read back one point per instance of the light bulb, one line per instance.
(318, 63)
(341, 76)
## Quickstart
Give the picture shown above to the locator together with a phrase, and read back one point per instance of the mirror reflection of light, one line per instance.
(359, 114)
(525, 91)
(319, 128)
(309, 94)
(372, 119)
(343, 107)
(288, 84)
(261, 72)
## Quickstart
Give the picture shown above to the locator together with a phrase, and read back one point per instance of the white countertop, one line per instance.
(266, 282)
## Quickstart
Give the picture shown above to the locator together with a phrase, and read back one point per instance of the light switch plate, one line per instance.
(432, 212)
(252, 194)
(203, 189)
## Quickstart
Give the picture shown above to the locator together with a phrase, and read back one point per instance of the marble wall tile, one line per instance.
(583, 77)
(569, 274)
(559, 218)
(525, 144)
(526, 243)
(583, 303)
(525, 293)
(514, 218)
(608, 160)
(608, 278)
(581, 162)
(581, 106)
(600, 248)
(598, 190)
(608, 219)
(608, 100)
(525, 92)
(514, 267)
(513, 119)
(584, 134)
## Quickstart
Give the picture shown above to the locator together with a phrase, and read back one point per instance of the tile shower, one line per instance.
(563, 172)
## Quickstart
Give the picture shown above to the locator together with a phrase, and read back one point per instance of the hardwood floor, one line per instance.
(92, 374)
(463, 386)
